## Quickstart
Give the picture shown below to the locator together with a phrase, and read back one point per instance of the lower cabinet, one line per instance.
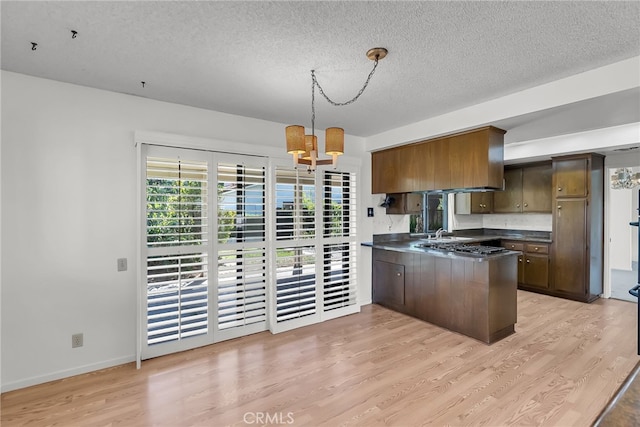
(390, 278)
(533, 264)
(477, 299)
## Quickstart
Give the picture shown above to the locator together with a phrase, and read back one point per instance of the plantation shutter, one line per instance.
(241, 244)
(296, 296)
(177, 221)
(339, 243)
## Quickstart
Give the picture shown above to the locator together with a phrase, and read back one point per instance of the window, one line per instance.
(434, 215)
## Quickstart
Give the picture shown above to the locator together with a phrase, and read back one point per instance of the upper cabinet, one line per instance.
(526, 189)
(472, 159)
(572, 177)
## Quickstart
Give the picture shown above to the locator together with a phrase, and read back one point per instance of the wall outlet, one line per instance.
(122, 264)
(77, 340)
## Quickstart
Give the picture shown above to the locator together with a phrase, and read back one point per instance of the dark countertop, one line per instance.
(410, 246)
(504, 234)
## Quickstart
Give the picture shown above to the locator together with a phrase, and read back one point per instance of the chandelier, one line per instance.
(304, 148)
(624, 178)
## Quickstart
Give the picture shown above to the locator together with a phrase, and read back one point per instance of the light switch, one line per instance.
(369, 212)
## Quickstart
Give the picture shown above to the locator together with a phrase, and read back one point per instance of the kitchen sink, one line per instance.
(445, 239)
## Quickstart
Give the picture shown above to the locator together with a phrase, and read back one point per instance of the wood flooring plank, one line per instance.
(376, 367)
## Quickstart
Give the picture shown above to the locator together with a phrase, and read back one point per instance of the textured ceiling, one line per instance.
(254, 58)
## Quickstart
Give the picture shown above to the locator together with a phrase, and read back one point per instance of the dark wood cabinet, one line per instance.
(536, 188)
(405, 203)
(390, 278)
(578, 229)
(570, 246)
(526, 189)
(571, 176)
(536, 270)
(533, 264)
(472, 159)
(477, 299)
(510, 199)
(481, 202)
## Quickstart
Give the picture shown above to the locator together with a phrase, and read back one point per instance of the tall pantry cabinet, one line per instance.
(578, 226)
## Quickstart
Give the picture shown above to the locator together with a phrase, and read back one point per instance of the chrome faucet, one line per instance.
(439, 233)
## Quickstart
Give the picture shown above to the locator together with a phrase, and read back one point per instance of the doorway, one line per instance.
(623, 239)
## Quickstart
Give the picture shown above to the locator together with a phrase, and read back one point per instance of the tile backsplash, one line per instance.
(537, 222)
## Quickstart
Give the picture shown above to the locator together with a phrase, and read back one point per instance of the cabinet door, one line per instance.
(413, 203)
(388, 284)
(422, 159)
(569, 250)
(481, 202)
(536, 271)
(385, 172)
(438, 162)
(571, 177)
(536, 189)
(510, 200)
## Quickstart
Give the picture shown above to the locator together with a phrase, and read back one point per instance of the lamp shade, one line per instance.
(310, 143)
(334, 141)
(295, 139)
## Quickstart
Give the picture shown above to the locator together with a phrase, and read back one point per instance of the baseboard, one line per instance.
(41, 379)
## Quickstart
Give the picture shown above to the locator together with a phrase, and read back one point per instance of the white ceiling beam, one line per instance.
(601, 81)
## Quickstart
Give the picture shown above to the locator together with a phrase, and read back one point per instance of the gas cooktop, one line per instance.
(462, 248)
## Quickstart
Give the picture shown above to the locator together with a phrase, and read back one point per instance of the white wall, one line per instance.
(69, 211)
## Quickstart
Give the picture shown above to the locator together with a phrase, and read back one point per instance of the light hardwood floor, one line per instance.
(378, 367)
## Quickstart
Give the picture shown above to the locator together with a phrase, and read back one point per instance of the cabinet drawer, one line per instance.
(537, 248)
(513, 246)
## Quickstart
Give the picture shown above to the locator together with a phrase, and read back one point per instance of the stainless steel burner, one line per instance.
(462, 248)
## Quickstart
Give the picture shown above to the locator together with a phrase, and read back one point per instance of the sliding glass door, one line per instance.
(204, 248)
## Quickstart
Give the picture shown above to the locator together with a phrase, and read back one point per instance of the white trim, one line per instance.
(580, 142)
(65, 373)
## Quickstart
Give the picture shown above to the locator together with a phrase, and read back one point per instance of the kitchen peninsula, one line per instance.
(456, 284)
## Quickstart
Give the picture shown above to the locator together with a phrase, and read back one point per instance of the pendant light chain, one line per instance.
(314, 83)
(304, 147)
(352, 100)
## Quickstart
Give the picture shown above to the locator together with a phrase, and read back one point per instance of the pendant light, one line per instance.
(304, 148)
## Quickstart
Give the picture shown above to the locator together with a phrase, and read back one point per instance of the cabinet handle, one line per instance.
(519, 259)
(525, 205)
(559, 188)
(513, 246)
(398, 274)
(528, 261)
(518, 205)
(559, 207)
(535, 249)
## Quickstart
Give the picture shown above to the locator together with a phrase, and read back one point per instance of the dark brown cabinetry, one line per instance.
(577, 249)
(390, 280)
(527, 189)
(477, 299)
(472, 159)
(533, 264)
(481, 202)
(405, 203)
